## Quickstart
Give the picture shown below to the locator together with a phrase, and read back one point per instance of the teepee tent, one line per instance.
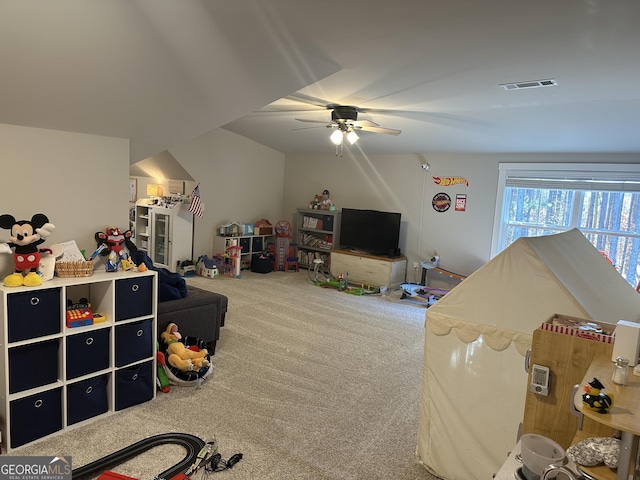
(476, 337)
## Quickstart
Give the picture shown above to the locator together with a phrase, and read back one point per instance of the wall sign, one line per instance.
(461, 202)
(441, 202)
(450, 181)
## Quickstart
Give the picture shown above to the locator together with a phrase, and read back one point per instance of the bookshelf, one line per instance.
(317, 232)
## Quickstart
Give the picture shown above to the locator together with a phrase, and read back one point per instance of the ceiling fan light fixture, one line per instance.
(336, 137)
(352, 137)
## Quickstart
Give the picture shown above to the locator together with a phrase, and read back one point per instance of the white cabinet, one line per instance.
(164, 233)
(369, 269)
(53, 377)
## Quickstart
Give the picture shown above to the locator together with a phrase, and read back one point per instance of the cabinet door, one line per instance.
(161, 238)
(134, 297)
(33, 314)
(35, 416)
(86, 399)
(33, 365)
(87, 352)
(134, 385)
(134, 341)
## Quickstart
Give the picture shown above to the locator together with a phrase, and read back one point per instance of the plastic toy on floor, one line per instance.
(179, 356)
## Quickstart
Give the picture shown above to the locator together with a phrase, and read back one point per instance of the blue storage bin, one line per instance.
(134, 341)
(134, 385)
(86, 399)
(33, 314)
(87, 352)
(35, 416)
(134, 297)
(33, 365)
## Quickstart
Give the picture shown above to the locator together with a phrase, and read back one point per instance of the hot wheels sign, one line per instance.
(450, 181)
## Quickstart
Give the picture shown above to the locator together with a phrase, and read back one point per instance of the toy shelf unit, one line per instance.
(55, 377)
(317, 232)
(164, 233)
(251, 245)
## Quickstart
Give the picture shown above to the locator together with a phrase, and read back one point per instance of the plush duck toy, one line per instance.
(25, 237)
(179, 356)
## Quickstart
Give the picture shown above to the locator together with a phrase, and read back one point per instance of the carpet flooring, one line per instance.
(308, 383)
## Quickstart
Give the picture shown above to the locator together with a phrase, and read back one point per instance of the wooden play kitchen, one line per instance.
(573, 363)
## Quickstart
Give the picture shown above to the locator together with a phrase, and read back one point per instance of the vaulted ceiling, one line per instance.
(161, 72)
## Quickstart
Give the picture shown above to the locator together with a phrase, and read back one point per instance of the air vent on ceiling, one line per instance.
(550, 82)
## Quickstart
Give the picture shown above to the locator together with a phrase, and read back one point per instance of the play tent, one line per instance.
(474, 380)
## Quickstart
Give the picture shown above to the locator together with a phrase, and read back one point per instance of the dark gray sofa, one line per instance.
(199, 315)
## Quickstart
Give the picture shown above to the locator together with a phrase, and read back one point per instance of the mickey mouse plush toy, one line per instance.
(25, 237)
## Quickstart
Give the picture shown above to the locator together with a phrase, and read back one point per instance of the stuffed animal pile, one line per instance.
(179, 356)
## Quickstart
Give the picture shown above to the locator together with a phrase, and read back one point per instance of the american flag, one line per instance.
(196, 206)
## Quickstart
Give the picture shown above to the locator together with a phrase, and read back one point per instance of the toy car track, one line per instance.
(191, 443)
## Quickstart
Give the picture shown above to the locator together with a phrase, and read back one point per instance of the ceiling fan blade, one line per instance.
(388, 131)
(311, 121)
(315, 126)
(309, 100)
(365, 123)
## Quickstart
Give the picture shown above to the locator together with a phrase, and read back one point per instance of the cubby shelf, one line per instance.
(54, 377)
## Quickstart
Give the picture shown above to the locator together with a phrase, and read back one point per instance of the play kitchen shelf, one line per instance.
(55, 377)
(623, 416)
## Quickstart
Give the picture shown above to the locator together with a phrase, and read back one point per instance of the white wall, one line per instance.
(240, 180)
(398, 183)
(79, 181)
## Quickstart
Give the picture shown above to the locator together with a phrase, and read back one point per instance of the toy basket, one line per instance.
(80, 268)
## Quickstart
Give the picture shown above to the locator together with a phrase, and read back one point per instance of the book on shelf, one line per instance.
(310, 240)
(312, 222)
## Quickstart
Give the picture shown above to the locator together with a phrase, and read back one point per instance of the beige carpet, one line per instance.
(308, 383)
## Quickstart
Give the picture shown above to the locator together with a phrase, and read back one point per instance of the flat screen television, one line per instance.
(370, 231)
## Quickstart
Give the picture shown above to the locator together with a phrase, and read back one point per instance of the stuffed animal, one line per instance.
(25, 237)
(179, 356)
(315, 203)
(111, 244)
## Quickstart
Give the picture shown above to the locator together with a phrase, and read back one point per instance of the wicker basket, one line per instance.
(78, 268)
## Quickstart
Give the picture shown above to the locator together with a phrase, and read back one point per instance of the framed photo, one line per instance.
(133, 190)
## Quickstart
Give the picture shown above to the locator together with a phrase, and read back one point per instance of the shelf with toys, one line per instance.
(68, 366)
(317, 232)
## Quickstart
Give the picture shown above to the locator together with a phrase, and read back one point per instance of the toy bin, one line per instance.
(35, 416)
(33, 365)
(87, 352)
(41, 307)
(87, 399)
(134, 297)
(134, 341)
(134, 385)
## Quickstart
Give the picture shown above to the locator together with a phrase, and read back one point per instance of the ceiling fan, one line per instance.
(344, 118)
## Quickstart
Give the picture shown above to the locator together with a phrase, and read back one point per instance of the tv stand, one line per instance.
(371, 269)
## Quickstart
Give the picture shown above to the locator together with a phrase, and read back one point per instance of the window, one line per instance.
(603, 201)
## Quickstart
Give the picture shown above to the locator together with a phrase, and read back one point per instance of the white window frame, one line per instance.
(630, 171)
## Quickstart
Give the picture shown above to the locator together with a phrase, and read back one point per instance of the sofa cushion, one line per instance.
(201, 315)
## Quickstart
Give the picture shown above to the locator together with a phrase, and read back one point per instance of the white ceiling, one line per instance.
(162, 72)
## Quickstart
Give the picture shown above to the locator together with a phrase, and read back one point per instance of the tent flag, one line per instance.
(196, 206)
